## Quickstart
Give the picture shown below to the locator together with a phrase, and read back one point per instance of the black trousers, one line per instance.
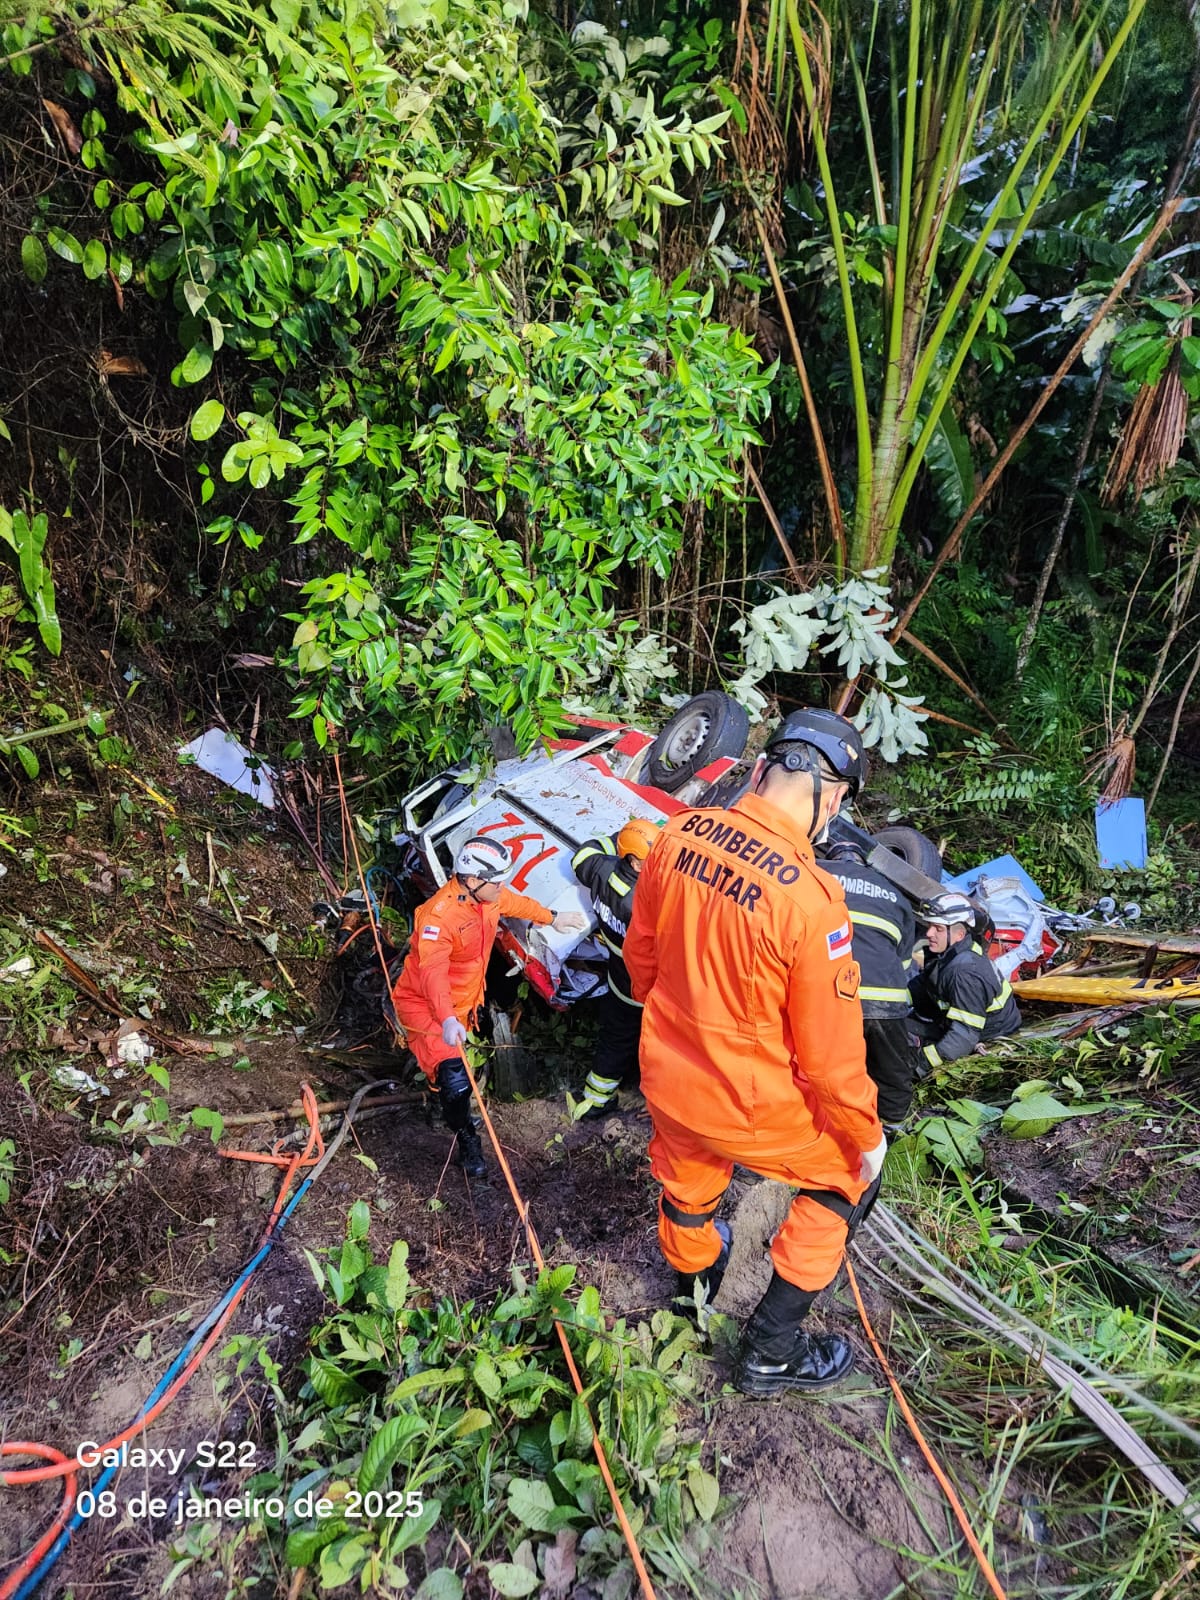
(616, 1055)
(891, 1063)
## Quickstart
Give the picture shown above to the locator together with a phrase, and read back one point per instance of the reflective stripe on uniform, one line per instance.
(867, 919)
(1003, 997)
(600, 1089)
(969, 1017)
(899, 996)
(931, 1055)
(598, 847)
(615, 881)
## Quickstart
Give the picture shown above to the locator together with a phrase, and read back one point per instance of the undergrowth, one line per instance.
(1064, 1514)
(443, 1447)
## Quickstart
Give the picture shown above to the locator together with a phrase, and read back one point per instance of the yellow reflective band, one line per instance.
(1005, 994)
(619, 884)
(866, 919)
(597, 1088)
(885, 994)
(969, 1017)
(931, 1055)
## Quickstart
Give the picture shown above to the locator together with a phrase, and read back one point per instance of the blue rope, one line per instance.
(164, 1383)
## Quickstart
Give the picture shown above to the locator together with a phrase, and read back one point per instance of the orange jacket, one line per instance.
(740, 948)
(453, 935)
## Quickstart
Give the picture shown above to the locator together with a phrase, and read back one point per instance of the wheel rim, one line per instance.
(686, 740)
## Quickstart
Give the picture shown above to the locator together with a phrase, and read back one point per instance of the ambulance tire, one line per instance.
(913, 847)
(709, 726)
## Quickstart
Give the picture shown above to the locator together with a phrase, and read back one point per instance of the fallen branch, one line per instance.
(110, 1003)
(324, 1108)
(776, 525)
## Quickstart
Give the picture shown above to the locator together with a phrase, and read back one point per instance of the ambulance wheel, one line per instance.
(709, 726)
(915, 848)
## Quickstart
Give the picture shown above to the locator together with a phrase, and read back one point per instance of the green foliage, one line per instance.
(415, 1419)
(25, 537)
(426, 288)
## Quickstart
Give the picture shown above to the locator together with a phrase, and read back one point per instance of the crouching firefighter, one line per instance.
(438, 994)
(960, 1000)
(608, 869)
(752, 1041)
(883, 931)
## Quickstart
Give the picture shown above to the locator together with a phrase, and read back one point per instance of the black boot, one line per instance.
(468, 1153)
(777, 1354)
(708, 1281)
(454, 1092)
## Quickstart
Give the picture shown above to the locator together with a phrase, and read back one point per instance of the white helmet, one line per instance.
(484, 858)
(948, 910)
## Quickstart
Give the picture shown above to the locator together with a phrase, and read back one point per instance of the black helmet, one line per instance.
(836, 740)
(845, 850)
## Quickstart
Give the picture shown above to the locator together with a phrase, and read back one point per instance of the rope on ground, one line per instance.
(921, 1260)
(956, 1505)
(33, 1567)
(535, 1249)
(635, 1553)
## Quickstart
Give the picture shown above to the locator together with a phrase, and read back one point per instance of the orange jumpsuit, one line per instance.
(752, 1039)
(443, 975)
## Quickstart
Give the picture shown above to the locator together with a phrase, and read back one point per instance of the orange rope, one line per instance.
(536, 1251)
(25, 1447)
(985, 1566)
(639, 1564)
(64, 1466)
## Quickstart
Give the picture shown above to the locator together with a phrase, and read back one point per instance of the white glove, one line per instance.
(569, 922)
(872, 1162)
(453, 1033)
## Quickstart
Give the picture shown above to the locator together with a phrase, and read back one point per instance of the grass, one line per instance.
(1064, 1512)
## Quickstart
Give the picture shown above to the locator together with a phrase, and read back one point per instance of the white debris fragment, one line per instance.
(222, 756)
(78, 1082)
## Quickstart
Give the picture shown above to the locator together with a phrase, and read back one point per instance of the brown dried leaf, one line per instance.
(560, 1563)
(67, 131)
(121, 366)
(249, 659)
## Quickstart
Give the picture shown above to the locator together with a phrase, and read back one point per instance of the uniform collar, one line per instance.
(777, 821)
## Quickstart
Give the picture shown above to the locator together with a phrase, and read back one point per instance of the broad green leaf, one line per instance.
(206, 420)
(27, 759)
(95, 259)
(705, 1491)
(33, 258)
(512, 1581)
(360, 1219)
(386, 1448)
(396, 1292)
(485, 1375)
(1038, 1113)
(443, 1583)
(473, 1421)
(197, 364)
(65, 245)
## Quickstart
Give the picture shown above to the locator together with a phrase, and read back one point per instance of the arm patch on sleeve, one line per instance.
(846, 981)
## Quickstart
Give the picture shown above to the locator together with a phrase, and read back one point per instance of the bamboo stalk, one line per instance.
(810, 405)
(862, 413)
(1165, 217)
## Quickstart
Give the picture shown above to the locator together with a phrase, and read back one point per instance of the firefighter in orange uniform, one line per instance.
(440, 989)
(752, 1040)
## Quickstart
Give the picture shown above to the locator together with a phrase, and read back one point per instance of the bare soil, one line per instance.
(1128, 1184)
